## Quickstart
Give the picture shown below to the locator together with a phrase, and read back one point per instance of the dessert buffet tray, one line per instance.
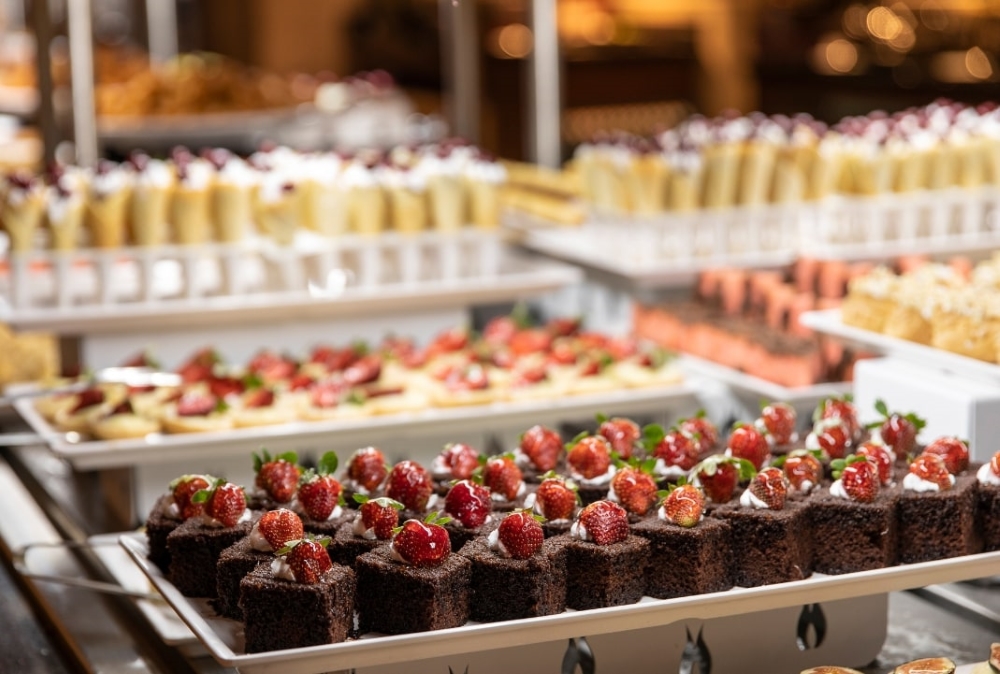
(90, 291)
(670, 249)
(223, 638)
(750, 386)
(829, 322)
(160, 448)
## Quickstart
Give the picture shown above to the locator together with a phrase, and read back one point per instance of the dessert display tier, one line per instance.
(671, 249)
(829, 322)
(157, 448)
(93, 291)
(223, 639)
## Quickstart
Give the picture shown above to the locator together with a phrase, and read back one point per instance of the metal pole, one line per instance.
(42, 25)
(546, 110)
(161, 27)
(460, 65)
(81, 60)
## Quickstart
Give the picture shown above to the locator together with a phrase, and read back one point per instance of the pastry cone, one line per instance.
(232, 211)
(190, 214)
(280, 218)
(408, 209)
(722, 165)
(105, 218)
(684, 190)
(484, 204)
(448, 202)
(325, 209)
(22, 220)
(646, 181)
(943, 168)
(910, 169)
(148, 213)
(66, 224)
(367, 208)
(973, 163)
(790, 182)
(757, 173)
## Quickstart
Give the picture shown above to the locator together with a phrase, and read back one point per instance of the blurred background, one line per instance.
(633, 65)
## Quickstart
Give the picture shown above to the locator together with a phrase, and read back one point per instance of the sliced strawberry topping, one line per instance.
(88, 398)
(261, 397)
(193, 404)
(364, 371)
(529, 341)
(328, 394)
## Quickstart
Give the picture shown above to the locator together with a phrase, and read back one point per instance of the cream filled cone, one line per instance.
(973, 163)
(722, 165)
(231, 210)
(65, 225)
(279, 218)
(942, 168)
(148, 212)
(685, 188)
(910, 168)
(448, 202)
(325, 209)
(485, 180)
(408, 209)
(190, 215)
(757, 172)
(790, 183)
(22, 219)
(646, 181)
(367, 208)
(105, 218)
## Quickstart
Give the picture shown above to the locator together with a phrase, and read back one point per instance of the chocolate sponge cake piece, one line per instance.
(988, 515)
(940, 524)
(280, 614)
(769, 546)
(605, 575)
(855, 536)
(235, 562)
(158, 527)
(509, 589)
(327, 527)
(346, 546)
(194, 553)
(396, 598)
(685, 561)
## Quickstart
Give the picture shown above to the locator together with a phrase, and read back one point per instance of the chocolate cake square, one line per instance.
(769, 546)
(346, 546)
(988, 516)
(280, 614)
(235, 562)
(194, 553)
(396, 598)
(158, 527)
(686, 561)
(605, 575)
(853, 536)
(939, 524)
(508, 589)
(591, 493)
(329, 526)
(460, 535)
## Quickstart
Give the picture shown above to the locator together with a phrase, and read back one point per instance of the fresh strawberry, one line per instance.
(778, 420)
(381, 515)
(590, 457)
(832, 436)
(364, 371)
(260, 397)
(367, 469)
(500, 330)
(882, 457)
(860, 479)
(802, 470)
(528, 375)
(620, 348)
(622, 434)
(684, 505)
(770, 486)
(675, 447)
(301, 382)
(458, 458)
(954, 452)
(422, 543)
(564, 352)
(502, 476)
(319, 495)
(702, 431)
(87, 398)
(563, 327)
(593, 364)
(222, 387)
(279, 527)
(995, 464)
(223, 501)
(183, 489)
(328, 394)
(718, 476)
(634, 489)
(542, 446)
(271, 367)
(520, 535)
(556, 499)
(194, 404)
(843, 409)
(526, 342)
(469, 503)
(449, 341)
(746, 442)
(898, 431)
(278, 476)
(308, 559)
(199, 367)
(471, 377)
(410, 484)
(605, 523)
(932, 468)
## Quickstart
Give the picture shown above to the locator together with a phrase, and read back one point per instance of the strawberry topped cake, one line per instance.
(371, 527)
(778, 422)
(169, 511)
(469, 505)
(366, 474)
(276, 480)
(746, 441)
(298, 599)
(556, 500)
(320, 498)
(415, 584)
(803, 471)
(457, 461)
(721, 477)
(540, 451)
(624, 435)
(988, 509)
(516, 572)
(674, 452)
(501, 475)
(688, 553)
(605, 563)
(634, 489)
(589, 465)
(410, 484)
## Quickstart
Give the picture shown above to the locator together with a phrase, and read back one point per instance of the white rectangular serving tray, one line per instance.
(223, 638)
(751, 386)
(829, 322)
(163, 448)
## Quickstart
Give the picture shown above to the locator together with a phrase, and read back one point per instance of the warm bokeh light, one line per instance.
(962, 66)
(883, 24)
(978, 64)
(906, 39)
(932, 15)
(513, 41)
(835, 55)
(854, 20)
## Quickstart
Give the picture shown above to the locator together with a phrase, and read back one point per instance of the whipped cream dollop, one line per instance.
(197, 174)
(237, 173)
(281, 569)
(985, 475)
(358, 175)
(496, 545)
(109, 180)
(155, 174)
(486, 171)
(664, 470)
(661, 514)
(837, 489)
(804, 488)
(335, 513)
(500, 498)
(361, 531)
(915, 483)
(579, 531)
(600, 480)
(209, 521)
(258, 541)
(169, 508)
(749, 500)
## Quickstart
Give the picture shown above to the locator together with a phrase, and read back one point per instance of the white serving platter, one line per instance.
(163, 619)
(223, 639)
(160, 448)
(754, 387)
(829, 322)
